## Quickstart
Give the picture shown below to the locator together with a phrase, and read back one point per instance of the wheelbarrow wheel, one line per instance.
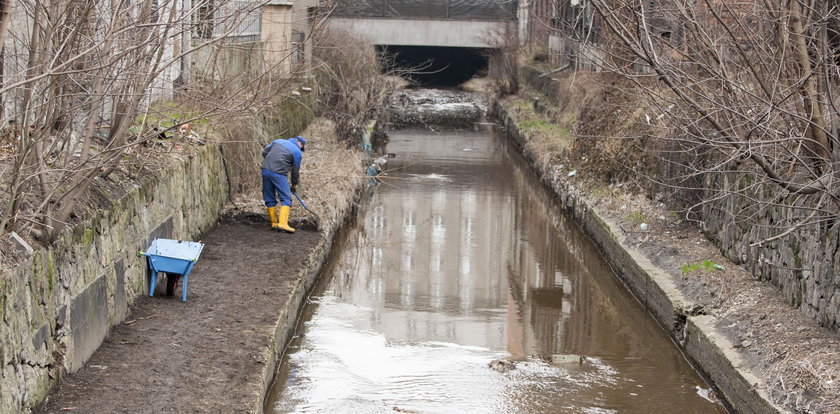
(171, 282)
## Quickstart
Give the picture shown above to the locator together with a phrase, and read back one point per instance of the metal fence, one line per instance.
(486, 10)
(235, 20)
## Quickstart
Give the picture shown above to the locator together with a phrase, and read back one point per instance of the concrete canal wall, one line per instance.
(711, 352)
(805, 266)
(286, 323)
(58, 306)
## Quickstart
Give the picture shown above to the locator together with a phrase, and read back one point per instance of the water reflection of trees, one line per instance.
(566, 296)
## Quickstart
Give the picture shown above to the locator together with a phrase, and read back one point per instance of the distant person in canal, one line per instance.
(281, 157)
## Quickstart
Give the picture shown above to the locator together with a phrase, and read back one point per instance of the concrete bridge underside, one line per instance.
(408, 32)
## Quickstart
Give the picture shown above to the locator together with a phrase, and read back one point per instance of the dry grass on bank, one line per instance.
(591, 122)
(330, 174)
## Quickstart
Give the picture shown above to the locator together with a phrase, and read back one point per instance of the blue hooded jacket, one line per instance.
(283, 156)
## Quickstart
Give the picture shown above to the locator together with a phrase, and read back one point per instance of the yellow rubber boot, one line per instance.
(272, 215)
(283, 219)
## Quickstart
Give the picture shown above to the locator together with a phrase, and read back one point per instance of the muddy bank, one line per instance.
(738, 331)
(209, 354)
(217, 352)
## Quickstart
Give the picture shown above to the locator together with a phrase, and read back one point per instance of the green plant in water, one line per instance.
(706, 265)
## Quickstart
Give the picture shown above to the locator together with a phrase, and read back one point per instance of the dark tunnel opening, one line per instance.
(435, 66)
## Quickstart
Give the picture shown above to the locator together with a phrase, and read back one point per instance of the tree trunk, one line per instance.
(818, 145)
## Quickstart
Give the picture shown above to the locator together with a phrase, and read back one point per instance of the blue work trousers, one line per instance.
(278, 184)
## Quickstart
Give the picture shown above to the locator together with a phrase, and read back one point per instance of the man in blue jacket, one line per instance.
(281, 157)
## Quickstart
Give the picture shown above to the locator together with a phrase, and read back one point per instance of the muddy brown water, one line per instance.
(461, 257)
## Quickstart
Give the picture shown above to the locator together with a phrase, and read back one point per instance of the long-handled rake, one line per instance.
(305, 206)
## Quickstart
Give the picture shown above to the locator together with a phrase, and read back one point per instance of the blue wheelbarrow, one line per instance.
(176, 258)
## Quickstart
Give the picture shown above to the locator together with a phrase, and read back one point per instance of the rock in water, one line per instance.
(562, 359)
(501, 365)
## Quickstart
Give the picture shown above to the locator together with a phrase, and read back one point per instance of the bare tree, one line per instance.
(502, 57)
(746, 88)
(80, 83)
(353, 80)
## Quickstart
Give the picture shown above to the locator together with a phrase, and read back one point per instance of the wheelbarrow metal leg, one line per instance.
(184, 288)
(186, 276)
(154, 273)
(152, 284)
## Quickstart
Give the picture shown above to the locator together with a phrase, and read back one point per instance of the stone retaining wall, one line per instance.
(804, 265)
(58, 306)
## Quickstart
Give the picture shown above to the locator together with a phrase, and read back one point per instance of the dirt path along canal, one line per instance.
(461, 258)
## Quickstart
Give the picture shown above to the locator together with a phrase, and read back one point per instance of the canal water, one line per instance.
(463, 288)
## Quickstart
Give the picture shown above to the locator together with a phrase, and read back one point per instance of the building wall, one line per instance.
(15, 59)
(276, 36)
(306, 18)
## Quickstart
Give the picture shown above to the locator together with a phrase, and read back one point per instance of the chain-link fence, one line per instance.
(492, 10)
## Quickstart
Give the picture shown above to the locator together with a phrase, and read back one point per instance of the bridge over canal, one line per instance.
(439, 23)
(448, 39)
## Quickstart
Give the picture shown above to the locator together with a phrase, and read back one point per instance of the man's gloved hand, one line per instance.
(294, 188)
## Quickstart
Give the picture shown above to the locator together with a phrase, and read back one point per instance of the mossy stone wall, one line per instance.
(57, 306)
(804, 264)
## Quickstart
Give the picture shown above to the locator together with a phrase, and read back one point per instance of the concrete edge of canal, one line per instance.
(286, 322)
(696, 335)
